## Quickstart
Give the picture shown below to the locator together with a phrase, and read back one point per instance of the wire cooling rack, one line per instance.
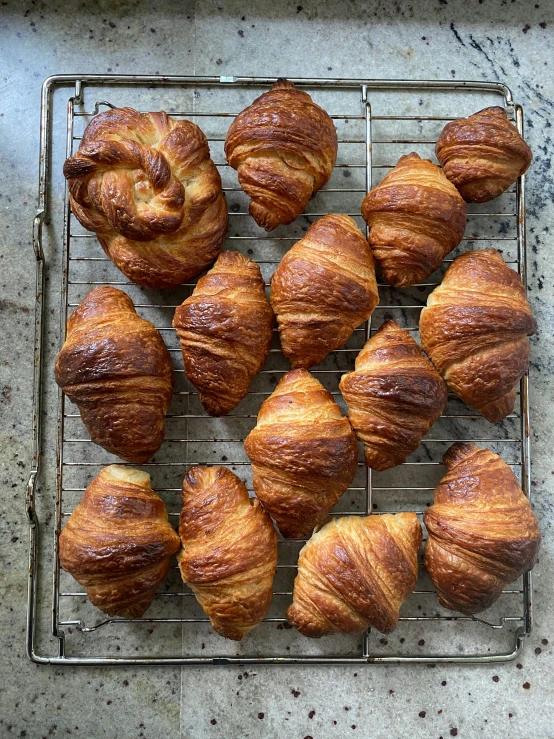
(377, 122)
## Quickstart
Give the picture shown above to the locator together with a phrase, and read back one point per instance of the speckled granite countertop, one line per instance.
(477, 39)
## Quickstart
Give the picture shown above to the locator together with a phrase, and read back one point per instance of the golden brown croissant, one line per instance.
(355, 573)
(416, 217)
(323, 289)
(146, 185)
(284, 148)
(303, 453)
(115, 366)
(225, 330)
(229, 553)
(483, 154)
(394, 396)
(475, 329)
(117, 542)
(482, 533)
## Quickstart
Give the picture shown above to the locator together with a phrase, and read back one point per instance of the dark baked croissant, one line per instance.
(323, 289)
(117, 542)
(303, 453)
(146, 185)
(115, 366)
(284, 148)
(416, 217)
(482, 533)
(483, 154)
(475, 329)
(355, 573)
(229, 553)
(225, 330)
(394, 396)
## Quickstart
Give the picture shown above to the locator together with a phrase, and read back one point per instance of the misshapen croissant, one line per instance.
(117, 542)
(482, 531)
(323, 289)
(394, 396)
(416, 217)
(303, 453)
(284, 148)
(146, 185)
(225, 330)
(115, 366)
(475, 329)
(355, 573)
(229, 553)
(483, 154)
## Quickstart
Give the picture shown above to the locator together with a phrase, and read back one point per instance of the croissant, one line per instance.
(416, 217)
(482, 533)
(117, 542)
(146, 185)
(394, 396)
(284, 148)
(483, 154)
(323, 289)
(115, 366)
(475, 329)
(225, 330)
(355, 573)
(303, 453)
(229, 553)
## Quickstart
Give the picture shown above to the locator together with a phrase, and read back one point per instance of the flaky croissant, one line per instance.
(355, 573)
(229, 553)
(146, 185)
(483, 154)
(416, 217)
(303, 453)
(323, 289)
(475, 329)
(225, 330)
(284, 148)
(482, 533)
(394, 396)
(115, 366)
(117, 542)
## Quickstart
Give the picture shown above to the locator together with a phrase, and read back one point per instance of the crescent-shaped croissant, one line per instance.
(115, 366)
(145, 183)
(303, 453)
(416, 217)
(225, 330)
(482, 533)
(229, 553)
(483, 154)
(394, 396)
(323, 289)
(117, 543)
(475, 330)
(284, 148)
(354, 573)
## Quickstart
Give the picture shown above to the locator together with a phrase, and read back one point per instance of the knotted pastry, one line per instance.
(303, 453)
(229, 553)
(482, 533)
(323, 289)
(225, 330)
(394, 396)
(117, 542)
(416, 217)
(483, 154)
(115, 366)
(284, 148)
(475, 329)
(146, 185)
(355, 573)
